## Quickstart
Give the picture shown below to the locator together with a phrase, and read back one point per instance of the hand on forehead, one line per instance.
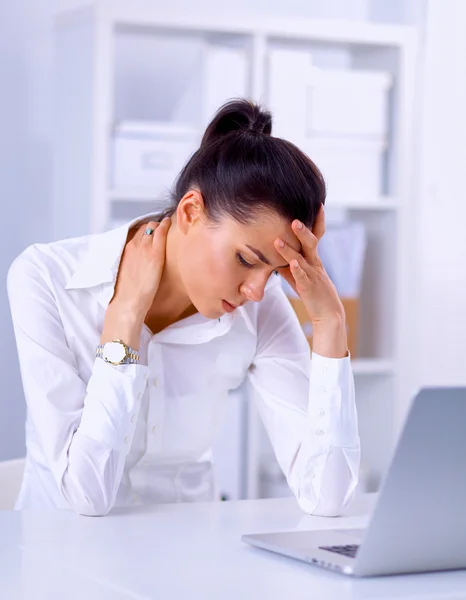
(274, 228)
(259, 238)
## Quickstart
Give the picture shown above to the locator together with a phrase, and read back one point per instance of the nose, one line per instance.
(254, 289)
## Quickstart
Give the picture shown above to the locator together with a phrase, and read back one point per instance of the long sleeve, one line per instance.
(84, 431)
(308, 409)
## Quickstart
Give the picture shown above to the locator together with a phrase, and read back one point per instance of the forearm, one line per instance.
(123, 323)
(329, 338)
(331, 448)
(91, 480)
(336, 483)
(98, 449)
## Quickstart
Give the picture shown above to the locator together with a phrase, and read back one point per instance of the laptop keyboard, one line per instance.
(348, 550)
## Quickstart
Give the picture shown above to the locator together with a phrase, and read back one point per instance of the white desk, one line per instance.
(176, 551)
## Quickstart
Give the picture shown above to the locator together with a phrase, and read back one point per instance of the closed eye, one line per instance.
(245, 263)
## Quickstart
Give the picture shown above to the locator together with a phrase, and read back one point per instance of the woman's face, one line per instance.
(228, 262)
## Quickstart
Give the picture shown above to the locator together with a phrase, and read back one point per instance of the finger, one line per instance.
(290, 255)
(160, 235)
(308, 240)
(286, 251)
(144, 225)
(152, 227)
(319, 226)
(147, 225)
(299, 274)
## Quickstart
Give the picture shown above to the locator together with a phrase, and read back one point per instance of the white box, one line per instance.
(352, 169)
(309, 101)
(346, 102)
(151, 154)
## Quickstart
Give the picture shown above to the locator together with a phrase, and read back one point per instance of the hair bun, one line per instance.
(238, 115)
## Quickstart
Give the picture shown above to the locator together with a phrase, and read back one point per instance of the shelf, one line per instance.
(339, 31)
(372, 366)
(144, 14)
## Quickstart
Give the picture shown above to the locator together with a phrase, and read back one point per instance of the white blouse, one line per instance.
(99, 436)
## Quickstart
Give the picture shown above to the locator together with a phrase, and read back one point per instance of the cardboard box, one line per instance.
(351, 306)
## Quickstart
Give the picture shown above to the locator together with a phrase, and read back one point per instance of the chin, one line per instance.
(208, 311)
(212, 314)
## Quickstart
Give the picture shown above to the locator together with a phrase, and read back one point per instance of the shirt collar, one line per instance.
(102, 259)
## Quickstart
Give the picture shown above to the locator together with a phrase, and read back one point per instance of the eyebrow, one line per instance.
(265, 260)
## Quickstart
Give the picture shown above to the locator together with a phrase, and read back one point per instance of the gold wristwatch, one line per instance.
(117, 352)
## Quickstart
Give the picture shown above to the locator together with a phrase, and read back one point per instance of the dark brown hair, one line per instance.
(241, 169)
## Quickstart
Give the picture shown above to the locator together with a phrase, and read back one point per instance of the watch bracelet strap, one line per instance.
(132, 358)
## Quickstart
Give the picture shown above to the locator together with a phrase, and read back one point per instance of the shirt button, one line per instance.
(324, 368)
(154, 429)
(139, 395)
(320, 432)
(133, 418)
(324, 389)
(126, 439)
(155, 383)
(321, 412)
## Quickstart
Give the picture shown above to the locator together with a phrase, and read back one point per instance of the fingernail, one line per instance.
(281, 243)
(299, 225)
(295, 264)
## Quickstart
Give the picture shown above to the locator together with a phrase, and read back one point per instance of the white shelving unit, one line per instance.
(101, 79)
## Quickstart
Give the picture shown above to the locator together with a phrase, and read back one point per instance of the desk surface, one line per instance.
(185, 551)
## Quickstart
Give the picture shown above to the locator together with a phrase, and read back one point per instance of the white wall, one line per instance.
(26, 113)
(18, 175)
(26, 161)
(442, 220)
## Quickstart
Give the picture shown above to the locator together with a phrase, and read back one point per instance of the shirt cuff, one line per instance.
(331, 409)
(330, 369)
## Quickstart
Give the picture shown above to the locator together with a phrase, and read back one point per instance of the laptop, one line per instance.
(419, 522)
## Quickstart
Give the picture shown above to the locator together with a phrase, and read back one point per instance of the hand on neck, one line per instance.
(171, 303)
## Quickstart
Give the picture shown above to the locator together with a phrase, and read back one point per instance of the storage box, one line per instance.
(151, 154)
(348, 103)
(309, 101)
(352, 169)
(351, 306)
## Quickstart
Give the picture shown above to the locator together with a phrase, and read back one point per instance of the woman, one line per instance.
(130, 340)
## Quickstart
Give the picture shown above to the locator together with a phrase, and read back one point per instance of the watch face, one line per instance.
(114, 352)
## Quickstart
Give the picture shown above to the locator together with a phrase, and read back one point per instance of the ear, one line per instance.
(190, 210)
